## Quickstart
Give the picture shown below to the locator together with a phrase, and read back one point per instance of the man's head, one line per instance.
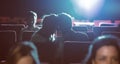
(65, 21)
(31, 18)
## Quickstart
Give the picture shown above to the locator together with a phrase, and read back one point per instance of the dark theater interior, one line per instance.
(40, 22)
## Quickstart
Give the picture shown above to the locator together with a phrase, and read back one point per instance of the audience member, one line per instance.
(23, 53)
(31, 20)
(65, 26)
(47, 32)
(45, 37)
(104, 50)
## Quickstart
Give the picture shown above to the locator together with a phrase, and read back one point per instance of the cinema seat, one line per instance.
(7, 39)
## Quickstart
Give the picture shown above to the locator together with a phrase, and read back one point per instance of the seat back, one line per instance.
(98, 30)
(111, 33)
(7, 39)
(46, 51)
(81, 29)
(26, 35)
(75, 51)
(15, 27)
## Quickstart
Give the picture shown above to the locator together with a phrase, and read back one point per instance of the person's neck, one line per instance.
(45, 33)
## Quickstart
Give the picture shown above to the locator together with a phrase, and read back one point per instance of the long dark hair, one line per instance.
(105, 40)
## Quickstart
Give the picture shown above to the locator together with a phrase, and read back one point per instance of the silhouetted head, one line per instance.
(23, 53)
(104, 50)
(31, 18)
(49, 23)
(65, 21)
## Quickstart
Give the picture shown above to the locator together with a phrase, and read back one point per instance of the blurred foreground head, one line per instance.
(23, 53)
(104, 50)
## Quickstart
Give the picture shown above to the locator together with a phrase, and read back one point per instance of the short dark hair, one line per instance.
(65, 21)
(31, 15)
(49, 22)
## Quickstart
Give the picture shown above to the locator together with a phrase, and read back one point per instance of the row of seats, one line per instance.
(86, 29)
(95, 31)
(72, 51)
(65, 53)
(92, 32)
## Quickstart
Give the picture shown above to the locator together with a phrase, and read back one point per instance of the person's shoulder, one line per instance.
(82, 35)
(25, 29)
(38, 38)
(37, 28)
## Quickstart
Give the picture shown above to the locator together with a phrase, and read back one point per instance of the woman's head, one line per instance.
(104, 50)
(49, 23)
(24, 52)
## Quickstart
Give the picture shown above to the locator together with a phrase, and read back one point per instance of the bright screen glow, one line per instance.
(88, 8)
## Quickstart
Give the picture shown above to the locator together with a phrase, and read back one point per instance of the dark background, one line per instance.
(18, 8)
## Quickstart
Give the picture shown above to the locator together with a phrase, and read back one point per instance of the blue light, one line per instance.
(88, 8)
